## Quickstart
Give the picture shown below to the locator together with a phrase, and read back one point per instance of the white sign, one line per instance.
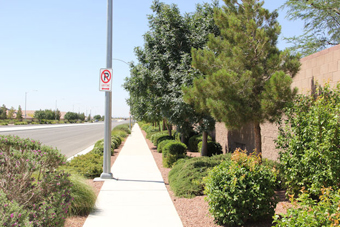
(105, 80)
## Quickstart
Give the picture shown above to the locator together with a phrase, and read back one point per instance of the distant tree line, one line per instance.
(10, 114)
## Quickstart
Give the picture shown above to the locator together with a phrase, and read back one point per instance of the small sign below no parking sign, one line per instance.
(105, 80)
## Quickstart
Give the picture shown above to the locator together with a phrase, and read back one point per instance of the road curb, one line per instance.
(87, 150)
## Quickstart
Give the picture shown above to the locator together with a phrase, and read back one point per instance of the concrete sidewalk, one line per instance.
(137, 196)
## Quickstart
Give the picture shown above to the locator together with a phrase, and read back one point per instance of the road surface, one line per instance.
(70, 139)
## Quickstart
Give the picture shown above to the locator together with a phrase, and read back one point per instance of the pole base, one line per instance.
(106, 176)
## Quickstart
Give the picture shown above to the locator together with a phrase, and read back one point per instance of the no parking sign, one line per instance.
(105, 80)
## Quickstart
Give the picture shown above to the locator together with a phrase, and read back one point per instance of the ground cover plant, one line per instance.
(32, 190)
(186, 176)
(241, 190)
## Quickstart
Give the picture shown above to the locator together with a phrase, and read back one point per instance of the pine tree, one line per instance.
(19, 113)
(246, 78)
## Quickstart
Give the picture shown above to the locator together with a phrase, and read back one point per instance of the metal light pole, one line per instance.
(26, 101)
(108, 100)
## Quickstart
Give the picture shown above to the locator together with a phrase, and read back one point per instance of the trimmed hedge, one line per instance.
(161, 145)
(173, 151)
(186, 176)
(214, 148)
(156, 136)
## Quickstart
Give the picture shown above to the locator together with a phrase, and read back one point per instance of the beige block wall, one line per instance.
(323, 66)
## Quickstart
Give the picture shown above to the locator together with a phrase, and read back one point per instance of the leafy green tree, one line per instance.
(3, 112)
(19, 113)
(71, 116)
(246, 78)
(322, 24)
(97, 117)
(40, 115)
(11, 113)
(155, 85)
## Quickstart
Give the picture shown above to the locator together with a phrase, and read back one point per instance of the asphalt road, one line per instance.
(70, 139)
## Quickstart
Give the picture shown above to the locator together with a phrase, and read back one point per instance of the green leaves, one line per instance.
(322, 24)
(240, 190)
(309, 137)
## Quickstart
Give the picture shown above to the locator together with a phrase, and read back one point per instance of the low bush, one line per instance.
(186, 176)
(194, 141)
(124, 127)
(308, 212)
(150, 134)
(158, 137)
(277, 167)
(20, 123)
(99, 147)
(84, 197)
(173, 151)
(161, 145)
(214, 148)
(89, 165)
(119, 133)
(240, 190)
(28, 180)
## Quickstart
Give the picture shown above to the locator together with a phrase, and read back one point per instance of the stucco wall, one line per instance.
(323, 66)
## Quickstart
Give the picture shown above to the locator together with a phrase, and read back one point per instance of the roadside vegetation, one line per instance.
(38, 187)
(17, 117)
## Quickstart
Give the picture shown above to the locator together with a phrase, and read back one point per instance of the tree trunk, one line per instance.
(204, 151)
(169, 127)
(159, 126)
(164, 126)
(182, 138)
(258, 143)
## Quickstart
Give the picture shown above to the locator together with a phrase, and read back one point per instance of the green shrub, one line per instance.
(89, 165)
(32, 183)
(308, 212)
(186, 176)
(124, 127)
(277, 167)
(310, 138)
(240, 190)
(99, 147)
(119, 133)
(173, 151)
(150, 134)
(214, 148)
(194, 141)
(84, 197)
(161, 145)
(12, 213)
(20, 123)
(177, 136)
(158, 137)
(157, 134)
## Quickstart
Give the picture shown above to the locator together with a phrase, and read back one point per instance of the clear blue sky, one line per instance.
(57, 47)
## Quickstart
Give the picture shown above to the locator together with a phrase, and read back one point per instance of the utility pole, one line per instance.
(108, 100)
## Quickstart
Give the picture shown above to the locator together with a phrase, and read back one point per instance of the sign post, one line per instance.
(105, 79)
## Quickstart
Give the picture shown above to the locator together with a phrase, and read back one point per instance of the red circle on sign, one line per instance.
(104, 76)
